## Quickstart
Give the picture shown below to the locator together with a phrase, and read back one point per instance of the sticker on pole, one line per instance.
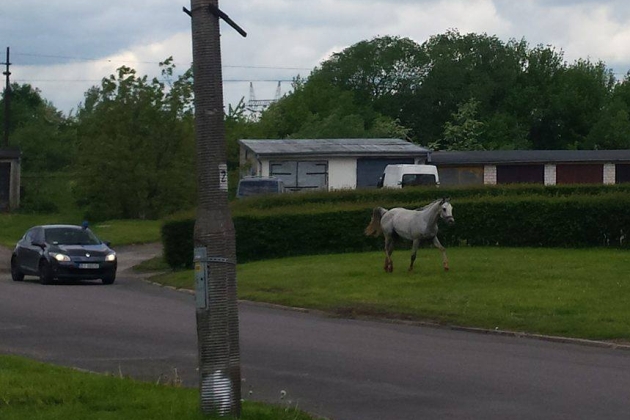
(223, 177)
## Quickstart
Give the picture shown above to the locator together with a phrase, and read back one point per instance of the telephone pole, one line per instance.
(7, 100)
(214, 235)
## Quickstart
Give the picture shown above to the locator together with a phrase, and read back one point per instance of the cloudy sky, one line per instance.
(63, 47)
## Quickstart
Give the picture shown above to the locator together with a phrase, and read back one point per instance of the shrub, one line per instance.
(177, 240)
(524, 219)
(416, 196)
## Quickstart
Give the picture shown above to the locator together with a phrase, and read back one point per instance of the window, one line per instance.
(70, 236)
(411, 180)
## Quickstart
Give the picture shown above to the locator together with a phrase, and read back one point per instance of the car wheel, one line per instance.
(109, 279)
(16, 274)
(45, 272)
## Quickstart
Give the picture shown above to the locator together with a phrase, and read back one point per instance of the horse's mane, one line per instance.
(428, 205)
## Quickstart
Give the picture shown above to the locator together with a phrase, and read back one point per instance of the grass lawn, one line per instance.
(33, 390)
(118, 232)
(578, 293)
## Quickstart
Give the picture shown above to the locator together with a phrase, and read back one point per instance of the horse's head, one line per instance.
(446, 211)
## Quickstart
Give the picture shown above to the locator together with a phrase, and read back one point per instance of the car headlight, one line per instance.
(110, 257)
(60, 257)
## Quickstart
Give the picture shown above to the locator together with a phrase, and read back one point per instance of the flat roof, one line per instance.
(10, 154)
(334, 147)
(529, 156)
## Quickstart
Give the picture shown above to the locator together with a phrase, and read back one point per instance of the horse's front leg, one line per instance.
(389, 248)
(439, 246)
(414, 251)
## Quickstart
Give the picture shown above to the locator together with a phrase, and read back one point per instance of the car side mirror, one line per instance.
(39, 244)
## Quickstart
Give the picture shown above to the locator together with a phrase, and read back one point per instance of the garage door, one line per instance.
(622, 173)
(580, 174)
(370, 170)
(301, 175)
(463, 175)
(521, 174)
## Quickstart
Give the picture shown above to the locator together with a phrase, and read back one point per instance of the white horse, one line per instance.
(414, 225)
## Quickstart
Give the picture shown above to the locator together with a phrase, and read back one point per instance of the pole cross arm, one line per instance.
(220, 15)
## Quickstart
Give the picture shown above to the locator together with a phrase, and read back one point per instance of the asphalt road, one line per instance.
(340, 369)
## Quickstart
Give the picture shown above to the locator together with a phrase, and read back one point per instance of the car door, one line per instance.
(29, 253)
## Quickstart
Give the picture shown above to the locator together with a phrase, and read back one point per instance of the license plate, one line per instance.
(89, 266)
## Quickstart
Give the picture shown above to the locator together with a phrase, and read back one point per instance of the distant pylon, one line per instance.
(252, 95)
(257, 106)
(278, 91)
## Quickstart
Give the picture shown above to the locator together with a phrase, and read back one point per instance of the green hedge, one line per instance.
(579, 221)
(178, 244)
(386, 197)
(564, 221)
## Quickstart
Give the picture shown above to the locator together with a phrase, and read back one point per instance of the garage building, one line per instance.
(548, 167)
(329, 164)
(9, 179)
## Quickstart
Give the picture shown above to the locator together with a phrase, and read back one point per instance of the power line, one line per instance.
(268, 67)
(161, 80)
(88, 59)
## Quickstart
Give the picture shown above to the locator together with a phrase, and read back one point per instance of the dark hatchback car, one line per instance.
(63, 252)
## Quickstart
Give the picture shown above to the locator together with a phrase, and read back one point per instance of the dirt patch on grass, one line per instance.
(370, 311)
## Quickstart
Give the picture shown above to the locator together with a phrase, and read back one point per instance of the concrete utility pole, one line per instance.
(214, 237)
(7, 101)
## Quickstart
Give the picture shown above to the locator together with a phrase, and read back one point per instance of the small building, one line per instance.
(330, 164)
(9, 179)
(548, 167)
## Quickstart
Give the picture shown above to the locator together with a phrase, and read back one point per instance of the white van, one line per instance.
(401, 176)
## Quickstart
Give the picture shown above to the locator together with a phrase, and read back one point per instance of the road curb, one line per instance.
(505, 333)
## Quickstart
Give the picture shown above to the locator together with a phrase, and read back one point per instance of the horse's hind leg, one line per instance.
(439, 246)
(389, 248)
(414, 251)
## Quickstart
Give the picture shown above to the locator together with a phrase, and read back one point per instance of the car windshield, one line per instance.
(259, 186)
(409, 180)
(70, 236)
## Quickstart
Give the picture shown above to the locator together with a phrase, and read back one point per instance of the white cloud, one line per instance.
(467, 16)
(285, 37)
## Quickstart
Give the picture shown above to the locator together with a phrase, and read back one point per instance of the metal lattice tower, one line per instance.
(257, 106)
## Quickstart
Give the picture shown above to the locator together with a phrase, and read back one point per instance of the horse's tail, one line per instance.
(374, 228)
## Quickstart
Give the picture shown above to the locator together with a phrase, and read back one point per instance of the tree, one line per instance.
(317, 109)
(458, 68)
(45, 137)
(385, 72)
(136, 147)
(464, 131)
(612, 129)
(525, 97)
(238, 125)
(572, 101)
